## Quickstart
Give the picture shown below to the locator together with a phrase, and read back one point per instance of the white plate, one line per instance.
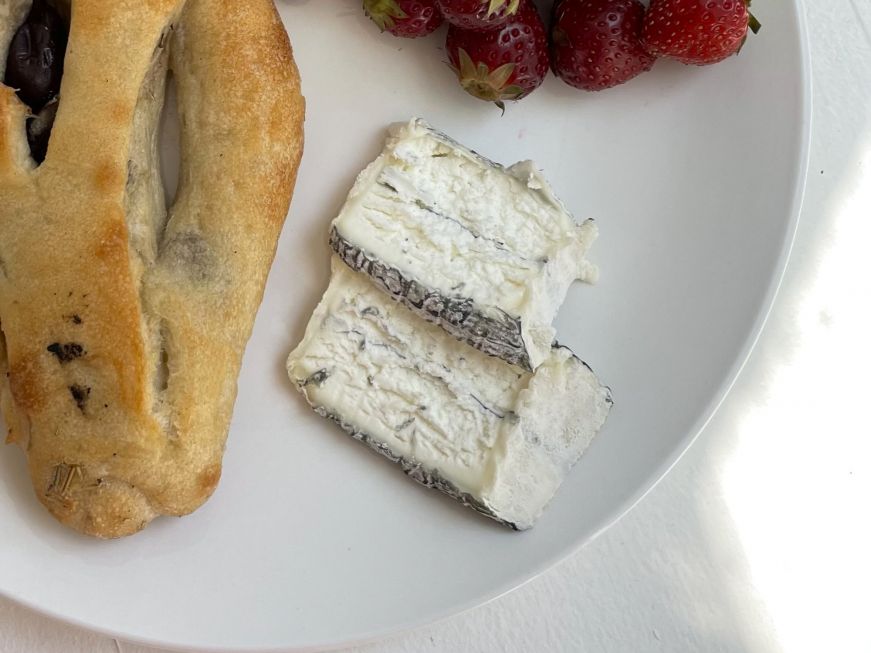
(695, 176)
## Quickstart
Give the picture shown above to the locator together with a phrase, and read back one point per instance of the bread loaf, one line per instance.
(124, 322)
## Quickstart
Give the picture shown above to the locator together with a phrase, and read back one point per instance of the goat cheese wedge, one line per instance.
(486, 252)
(498, 438)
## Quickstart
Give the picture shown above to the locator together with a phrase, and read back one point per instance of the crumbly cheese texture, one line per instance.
(497, 437)
(487, 252)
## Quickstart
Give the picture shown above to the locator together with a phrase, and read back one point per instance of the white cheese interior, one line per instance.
(503, 435)
(460, 224)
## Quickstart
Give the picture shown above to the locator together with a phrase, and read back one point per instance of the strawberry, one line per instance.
(406, 18)
(596, 44)
(506, 63)
(478, 14)
(697, 32)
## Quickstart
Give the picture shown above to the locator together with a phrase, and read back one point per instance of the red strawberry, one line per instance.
(506, 63)
(478, 14)
(697, 31)
(406, 18)
(596, 44)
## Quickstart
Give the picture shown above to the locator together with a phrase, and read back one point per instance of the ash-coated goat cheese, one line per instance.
(493, 435)
(485, 252)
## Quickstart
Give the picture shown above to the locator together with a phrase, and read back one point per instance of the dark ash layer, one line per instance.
(427, 477)
(495, 333)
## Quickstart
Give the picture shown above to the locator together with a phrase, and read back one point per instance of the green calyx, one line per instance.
(497, 5)
(752, 22)
(384, 13)
(484, 84)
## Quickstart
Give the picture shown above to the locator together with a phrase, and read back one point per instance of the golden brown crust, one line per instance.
(124, 327)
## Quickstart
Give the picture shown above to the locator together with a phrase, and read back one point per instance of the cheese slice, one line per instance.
(486, 252)
(497, 437)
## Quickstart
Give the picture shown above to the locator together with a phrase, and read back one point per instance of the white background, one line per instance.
(759, 540)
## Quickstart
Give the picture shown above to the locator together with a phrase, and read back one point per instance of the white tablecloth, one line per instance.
(759, 540)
